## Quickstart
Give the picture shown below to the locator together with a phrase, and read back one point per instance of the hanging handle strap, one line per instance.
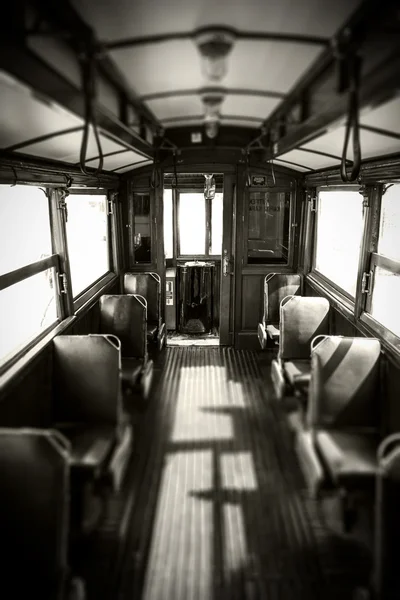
(88, 70)
(353, 65)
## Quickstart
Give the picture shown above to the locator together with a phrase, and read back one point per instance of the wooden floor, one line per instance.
(218, 507)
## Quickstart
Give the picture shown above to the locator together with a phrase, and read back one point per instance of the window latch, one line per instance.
(366, 283)
(62, 283)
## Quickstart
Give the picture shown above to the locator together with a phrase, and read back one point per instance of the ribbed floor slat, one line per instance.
(220, 508)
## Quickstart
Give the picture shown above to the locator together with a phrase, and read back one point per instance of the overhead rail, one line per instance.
(63, 22)
(321, 98)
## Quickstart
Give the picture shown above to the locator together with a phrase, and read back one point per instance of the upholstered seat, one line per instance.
(350, 457)
(276, 287)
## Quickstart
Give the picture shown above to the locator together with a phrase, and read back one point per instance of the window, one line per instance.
(268, 227)
(27, 268)
(192, 224)
(142, 228)
(339, 229)
(385, 264)
(87, 238)
(199, 224)
(24, 226)
(26, 308)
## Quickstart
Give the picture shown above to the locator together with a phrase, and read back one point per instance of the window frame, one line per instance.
(141, 191)
(287, 189)
(91, 290)
(333, 288)
(12, 278)
(374, 259)
(176, 192)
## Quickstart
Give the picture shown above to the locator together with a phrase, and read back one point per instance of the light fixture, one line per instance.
(214, 45)
(212, 101)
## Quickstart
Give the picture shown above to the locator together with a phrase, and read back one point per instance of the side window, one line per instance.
(268, 227)
(383, 304)
(87, 239)
(28, 304)
(338, 236)
(142, 227)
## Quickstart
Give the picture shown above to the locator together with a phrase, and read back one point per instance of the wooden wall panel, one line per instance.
(252, 301)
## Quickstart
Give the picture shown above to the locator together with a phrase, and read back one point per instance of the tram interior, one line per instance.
(199, 285)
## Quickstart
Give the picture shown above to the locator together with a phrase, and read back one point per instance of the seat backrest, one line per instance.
(276, 287)
(147, 285)
(301, 319)
(86, 379)
(125, 316)
(34, 509)
(345, 382)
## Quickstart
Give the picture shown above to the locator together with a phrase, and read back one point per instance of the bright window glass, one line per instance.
(26, 309)
(142, 228)
(268, 227)
(87, 237)
(192, 224)
(216, 224)
(389, 232)
(338, 237)
(168, 225)
(24, 227)
(385, 299)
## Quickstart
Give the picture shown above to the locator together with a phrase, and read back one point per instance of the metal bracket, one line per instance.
(312, 198)
(110, 206)
(62, 283)
(62, 205)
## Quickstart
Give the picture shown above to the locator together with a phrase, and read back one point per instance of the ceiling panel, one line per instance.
(290, 166)
(124, 18)
(177, 106)
(386, 116)
(249, 106)
(165, 67)
(134, 166)
(310, 160)
(115, 161)
(25, 116)
(274, 66)
(67, 147)
(176, 65)
(372, 144)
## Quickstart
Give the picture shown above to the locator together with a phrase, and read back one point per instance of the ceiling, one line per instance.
(276, 44)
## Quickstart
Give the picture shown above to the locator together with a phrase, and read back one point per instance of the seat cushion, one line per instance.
(152, 330)
(349, 457)
(90, 446)
(298, 373)
(273, 332)
(131, 371)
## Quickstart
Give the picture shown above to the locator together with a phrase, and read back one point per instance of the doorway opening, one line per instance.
(193, 230)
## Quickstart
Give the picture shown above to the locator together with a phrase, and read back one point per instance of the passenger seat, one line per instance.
(302, 318)
(276, 287)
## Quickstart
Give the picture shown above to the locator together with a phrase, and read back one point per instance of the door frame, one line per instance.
(227, 296)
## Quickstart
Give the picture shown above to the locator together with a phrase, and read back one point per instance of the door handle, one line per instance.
(225, 266)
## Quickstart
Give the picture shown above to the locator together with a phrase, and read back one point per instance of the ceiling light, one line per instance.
(212, 105)
(214, 46)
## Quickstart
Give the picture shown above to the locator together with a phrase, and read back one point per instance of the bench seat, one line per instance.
(90, 447)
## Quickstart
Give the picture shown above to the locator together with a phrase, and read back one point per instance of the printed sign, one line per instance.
(259, 180)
